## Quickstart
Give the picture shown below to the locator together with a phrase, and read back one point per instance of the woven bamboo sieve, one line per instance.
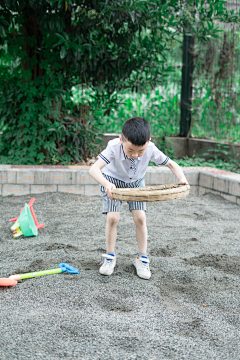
(152, 193)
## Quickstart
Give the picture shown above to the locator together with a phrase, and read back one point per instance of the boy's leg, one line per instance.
(112, 209)
(111, 230)
(138, 210)
(139, 218)
(141, 262)
(111, 236)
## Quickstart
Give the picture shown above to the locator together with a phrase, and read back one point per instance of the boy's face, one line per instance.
(131, 150)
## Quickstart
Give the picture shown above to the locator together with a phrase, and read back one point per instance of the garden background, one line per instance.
(72, 71)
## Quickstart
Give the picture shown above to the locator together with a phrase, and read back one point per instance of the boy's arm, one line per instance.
(175, 168)
(96, 174)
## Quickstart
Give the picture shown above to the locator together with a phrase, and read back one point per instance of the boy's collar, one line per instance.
(125, 157)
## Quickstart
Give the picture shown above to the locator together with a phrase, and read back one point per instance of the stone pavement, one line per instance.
(34, 179)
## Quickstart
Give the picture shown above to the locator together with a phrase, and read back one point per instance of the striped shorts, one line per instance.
(115, 205)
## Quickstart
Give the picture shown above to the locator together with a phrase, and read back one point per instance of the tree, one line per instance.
(48, 46)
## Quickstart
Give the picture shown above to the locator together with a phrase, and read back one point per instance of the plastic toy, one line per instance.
(63, 267)
(26, 224)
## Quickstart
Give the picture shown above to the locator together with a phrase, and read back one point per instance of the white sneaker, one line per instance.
(108, 265)
(142, 266)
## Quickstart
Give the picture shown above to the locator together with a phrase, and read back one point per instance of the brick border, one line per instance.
(33, 179)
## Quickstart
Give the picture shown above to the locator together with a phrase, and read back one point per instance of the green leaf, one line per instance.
(164, 7)
(63, 52)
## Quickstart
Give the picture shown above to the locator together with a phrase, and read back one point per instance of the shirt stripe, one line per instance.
(104, 159)
(126, 157)
(165, 162)
(133, 165)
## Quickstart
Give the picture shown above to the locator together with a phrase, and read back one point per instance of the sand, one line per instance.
(189, 309)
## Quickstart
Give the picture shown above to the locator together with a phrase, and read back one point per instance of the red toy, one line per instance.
(30, 204)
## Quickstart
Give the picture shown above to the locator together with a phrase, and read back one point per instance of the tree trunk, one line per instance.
(186, 91)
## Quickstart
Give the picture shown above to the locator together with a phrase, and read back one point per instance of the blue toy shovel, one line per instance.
(12, 280)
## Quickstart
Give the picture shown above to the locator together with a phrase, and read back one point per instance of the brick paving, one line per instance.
(75, 179)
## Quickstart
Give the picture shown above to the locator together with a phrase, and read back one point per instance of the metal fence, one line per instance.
(211, 108)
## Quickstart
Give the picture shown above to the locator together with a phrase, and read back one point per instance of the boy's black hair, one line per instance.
(137, 130)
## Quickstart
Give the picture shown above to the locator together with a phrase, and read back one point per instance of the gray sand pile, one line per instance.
(189, 309)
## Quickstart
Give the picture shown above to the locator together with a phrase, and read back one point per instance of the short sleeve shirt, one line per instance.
(118, 165)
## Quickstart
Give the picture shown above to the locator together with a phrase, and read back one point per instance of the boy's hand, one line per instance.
(175, 168)
(108, 190)
(183, 181)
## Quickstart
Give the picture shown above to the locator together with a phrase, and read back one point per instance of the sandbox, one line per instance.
(189, 309)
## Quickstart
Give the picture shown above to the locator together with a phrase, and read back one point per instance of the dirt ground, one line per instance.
(189, 309)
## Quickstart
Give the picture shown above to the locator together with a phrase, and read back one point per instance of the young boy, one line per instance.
(123, 164)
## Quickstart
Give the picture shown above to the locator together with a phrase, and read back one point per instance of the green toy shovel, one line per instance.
(63, 267)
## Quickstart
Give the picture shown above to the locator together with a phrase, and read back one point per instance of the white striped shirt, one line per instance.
(119, 166)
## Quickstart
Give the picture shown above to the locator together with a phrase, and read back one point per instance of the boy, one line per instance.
(123, 164)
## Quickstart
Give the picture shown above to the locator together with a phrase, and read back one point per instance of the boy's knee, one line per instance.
(113, 218)
(140, 219)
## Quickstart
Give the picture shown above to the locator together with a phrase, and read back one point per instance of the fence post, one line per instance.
(186, 90)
